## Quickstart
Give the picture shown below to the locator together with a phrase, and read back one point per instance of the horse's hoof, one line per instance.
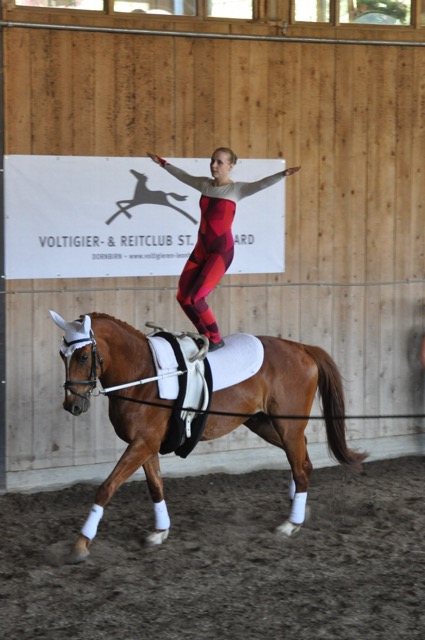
(156, 537)
(79, 552)
(77, 557)
(288, 529)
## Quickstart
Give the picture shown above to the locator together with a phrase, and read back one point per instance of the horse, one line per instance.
(274, 403)
(143, 195)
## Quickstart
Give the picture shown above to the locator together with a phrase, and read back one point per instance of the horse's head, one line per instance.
(82, 363)
(141, 177)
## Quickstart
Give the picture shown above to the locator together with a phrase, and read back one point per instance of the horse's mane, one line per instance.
(105, 316)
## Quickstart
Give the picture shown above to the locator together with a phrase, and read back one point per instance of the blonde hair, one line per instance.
(233, 158)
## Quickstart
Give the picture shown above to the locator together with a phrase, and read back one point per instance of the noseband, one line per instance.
(92, 381)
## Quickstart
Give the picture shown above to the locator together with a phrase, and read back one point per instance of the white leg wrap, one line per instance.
(162, 519)
(297, 514)
(90, 528)
(292, 488)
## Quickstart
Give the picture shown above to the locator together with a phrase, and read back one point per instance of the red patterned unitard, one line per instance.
(214, 249)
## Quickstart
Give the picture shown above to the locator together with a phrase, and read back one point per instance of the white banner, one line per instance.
(86, 217)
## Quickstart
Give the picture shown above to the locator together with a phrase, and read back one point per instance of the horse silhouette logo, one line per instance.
(143, 195)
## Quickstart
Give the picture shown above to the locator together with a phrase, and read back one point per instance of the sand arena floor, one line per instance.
(355, 571)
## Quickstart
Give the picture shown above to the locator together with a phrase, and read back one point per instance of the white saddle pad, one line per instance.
(239, 359)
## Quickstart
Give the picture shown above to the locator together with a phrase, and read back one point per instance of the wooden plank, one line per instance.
(406, 333)
(204, 107)
(380, 226)
(83, 93)
(185, 53)
(164, 98)
(309, 196)
(17, 91)
(257, 146)
(144, 110)
(19, 375)
(349, 225)
(52, 94)
(53, 444)
(41, 91)
(167, 312)
(389, 367)
(417, 180)
(238, 114)
(125, 96)
(105, 94)
(60, 72)
(222, 96)
(283, 123)
(326, 201)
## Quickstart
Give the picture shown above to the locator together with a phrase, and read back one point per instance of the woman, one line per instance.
(214, 249)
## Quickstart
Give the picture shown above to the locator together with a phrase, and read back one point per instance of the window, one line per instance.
(375, 12)
(379, 12)
(157, 7)
(240, 9)
(312, 11)
(93, 5)
(230, 9)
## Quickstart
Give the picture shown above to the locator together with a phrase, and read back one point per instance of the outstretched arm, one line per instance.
(192, 181)
(249, 188)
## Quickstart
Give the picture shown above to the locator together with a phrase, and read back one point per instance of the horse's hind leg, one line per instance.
(156, 490)
(262, 426)
(289, 436)
(295, 446)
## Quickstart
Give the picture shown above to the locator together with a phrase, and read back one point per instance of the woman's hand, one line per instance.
(289, 172)
(153, 157)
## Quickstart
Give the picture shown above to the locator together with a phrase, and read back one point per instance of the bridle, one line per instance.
(95, 360)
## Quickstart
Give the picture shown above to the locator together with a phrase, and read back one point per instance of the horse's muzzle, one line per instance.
(76, 405)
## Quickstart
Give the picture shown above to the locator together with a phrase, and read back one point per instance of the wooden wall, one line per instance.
(352, 115)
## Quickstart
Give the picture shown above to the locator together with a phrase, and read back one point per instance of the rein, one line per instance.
(212, 412)
(144, 381)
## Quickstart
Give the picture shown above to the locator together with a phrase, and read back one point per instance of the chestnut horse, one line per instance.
(274, 403)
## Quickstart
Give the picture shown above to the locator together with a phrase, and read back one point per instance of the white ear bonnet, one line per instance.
(77, 333)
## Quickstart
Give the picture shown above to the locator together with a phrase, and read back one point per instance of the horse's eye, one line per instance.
(84, 357)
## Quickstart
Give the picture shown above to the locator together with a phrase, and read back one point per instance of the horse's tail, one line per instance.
(177, 197)
(331, 390)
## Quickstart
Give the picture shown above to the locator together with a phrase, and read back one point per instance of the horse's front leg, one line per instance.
(156, 489)
(132, 459)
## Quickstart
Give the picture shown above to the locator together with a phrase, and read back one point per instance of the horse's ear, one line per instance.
(86, 320)
(57, 319)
